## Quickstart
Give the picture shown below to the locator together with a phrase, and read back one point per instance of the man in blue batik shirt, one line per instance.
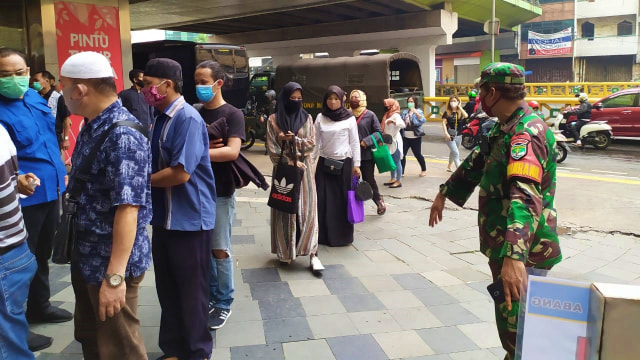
(28, 120)
(183, 192)
(112, 249)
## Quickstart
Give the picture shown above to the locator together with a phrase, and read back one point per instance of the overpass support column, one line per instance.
(427, 54)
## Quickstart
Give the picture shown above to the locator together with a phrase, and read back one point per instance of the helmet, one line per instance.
(473, 93)
(533, 104)
(270, 94)
(583, 97)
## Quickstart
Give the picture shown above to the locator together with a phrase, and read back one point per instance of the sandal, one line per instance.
(395, 186)
(381, 208)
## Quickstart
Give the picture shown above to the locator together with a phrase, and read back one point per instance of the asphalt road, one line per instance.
(596, 189)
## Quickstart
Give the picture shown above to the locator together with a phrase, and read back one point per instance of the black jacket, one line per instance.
(583, 112)
(368, 125)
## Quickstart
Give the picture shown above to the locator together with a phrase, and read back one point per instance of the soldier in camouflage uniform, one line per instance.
(516, 172)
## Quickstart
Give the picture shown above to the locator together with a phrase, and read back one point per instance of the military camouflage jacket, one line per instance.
(517, 178)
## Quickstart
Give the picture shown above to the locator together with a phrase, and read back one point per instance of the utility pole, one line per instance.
(493, 30)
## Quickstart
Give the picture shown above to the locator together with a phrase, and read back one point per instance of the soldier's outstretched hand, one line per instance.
(436, 210)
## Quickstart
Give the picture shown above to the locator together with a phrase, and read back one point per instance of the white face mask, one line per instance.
(454, 104)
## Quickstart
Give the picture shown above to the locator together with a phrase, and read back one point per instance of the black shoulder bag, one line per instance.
(65, 237)
(287, 179)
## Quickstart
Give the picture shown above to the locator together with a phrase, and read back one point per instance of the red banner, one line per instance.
(88, 27)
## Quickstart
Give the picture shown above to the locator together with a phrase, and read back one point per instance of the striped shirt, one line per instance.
(12, 229)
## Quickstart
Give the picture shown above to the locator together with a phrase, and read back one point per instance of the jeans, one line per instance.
(221, 283)
(415, 145)
(454, 152)
(397, 173)
(17, 268)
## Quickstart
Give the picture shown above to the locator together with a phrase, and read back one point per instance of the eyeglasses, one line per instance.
(20, 72)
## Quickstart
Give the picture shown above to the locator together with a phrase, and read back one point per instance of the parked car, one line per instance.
(621, 110)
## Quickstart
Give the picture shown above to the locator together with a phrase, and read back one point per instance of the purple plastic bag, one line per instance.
(355, 207)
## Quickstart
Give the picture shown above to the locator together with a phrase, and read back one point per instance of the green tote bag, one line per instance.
(382, 156)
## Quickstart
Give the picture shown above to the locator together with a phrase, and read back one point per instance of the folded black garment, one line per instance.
(243, 170)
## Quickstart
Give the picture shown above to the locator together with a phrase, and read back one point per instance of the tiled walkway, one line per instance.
(401, 291)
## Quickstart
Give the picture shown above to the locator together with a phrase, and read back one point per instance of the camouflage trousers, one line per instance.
(506, 321)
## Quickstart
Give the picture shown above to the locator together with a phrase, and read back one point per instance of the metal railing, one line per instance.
(594, 90)
(550, 106)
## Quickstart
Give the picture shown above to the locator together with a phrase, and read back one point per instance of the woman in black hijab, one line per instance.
(291, 128)
(338, 154)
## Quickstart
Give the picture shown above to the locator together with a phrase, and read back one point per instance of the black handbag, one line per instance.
(332, 166)
(418, 131)
(65, 237)
(285, 191)
(363, 190)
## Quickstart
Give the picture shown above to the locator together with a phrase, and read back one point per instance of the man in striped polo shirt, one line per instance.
(17, 263)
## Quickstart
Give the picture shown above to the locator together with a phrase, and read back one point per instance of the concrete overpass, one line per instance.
(284, 29)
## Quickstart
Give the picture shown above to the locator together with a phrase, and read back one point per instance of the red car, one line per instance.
(621, 111)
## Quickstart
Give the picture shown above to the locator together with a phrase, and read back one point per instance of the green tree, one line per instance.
(202, 38)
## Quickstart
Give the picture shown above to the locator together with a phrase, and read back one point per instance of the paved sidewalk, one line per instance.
(401, 291)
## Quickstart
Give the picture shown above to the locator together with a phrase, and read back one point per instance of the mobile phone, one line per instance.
(496, 291)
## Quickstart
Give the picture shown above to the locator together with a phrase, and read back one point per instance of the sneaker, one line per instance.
(218, 317)
(316, 265)
(37, 342)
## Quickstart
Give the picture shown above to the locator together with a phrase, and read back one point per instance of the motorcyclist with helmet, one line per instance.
(470, 106)
(584, 116)
(536, 108)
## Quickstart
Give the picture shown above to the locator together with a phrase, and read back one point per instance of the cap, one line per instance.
(163, 68)
(86, 65)
(502, 73)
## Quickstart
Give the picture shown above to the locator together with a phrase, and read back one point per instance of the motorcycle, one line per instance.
(562, 149)
(473, 131)
(596, 133)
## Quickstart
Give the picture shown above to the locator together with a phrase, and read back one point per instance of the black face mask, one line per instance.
(292, 106)
(386, 108)
(139, 83)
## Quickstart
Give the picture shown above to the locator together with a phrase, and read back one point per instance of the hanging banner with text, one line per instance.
(550, 44)
(88, 27)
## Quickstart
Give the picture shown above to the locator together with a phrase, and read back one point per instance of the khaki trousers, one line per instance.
(117, 338)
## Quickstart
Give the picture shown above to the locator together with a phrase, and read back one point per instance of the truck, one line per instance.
(189, 54)
(380, 76)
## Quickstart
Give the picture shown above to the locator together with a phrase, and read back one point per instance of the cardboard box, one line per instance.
(614, 322)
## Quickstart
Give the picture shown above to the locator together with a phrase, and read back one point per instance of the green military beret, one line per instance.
(502, 73)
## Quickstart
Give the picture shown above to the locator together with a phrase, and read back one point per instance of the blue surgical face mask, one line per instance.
(205, 93)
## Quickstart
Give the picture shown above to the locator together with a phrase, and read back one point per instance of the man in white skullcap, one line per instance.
(110, 181)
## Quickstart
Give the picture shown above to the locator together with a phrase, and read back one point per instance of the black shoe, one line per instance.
(218, 317)
(51, 315)
(37, 342)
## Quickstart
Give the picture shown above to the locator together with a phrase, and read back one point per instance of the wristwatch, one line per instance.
(114, 280)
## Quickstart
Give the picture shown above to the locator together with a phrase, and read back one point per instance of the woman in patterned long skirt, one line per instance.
(291, 127)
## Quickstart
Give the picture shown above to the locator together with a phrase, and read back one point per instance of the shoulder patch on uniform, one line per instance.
(520, 146)
(523, 162)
